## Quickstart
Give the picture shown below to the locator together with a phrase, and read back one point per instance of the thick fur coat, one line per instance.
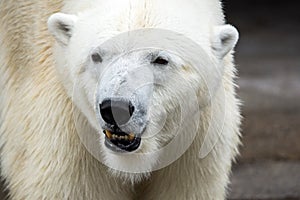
(42, 156)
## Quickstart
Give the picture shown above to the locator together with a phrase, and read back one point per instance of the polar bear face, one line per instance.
(138, 93)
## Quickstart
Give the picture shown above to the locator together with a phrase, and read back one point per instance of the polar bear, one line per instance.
(130, 99)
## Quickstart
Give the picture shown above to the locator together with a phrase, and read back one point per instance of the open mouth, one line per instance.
(120, 141)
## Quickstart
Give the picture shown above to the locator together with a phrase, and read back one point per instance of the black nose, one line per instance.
(116, 112)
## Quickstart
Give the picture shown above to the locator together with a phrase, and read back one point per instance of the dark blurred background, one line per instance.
(268, 61)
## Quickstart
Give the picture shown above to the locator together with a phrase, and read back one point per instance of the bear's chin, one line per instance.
(129, 178)
(130, 167)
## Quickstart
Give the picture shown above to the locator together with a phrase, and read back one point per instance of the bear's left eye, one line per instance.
(161, 61)
(96, 58)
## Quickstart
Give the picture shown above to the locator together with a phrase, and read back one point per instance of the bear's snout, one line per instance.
(116, 112)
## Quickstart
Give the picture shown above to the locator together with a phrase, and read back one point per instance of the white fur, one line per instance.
(225, 38)
(59, 19)
(42, 156)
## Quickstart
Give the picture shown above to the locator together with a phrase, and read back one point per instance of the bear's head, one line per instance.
(140, 83)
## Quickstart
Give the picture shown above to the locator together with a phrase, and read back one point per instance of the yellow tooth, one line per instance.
(108, 134)
(131, 136)
(126, 137)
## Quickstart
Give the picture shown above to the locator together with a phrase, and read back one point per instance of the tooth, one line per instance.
(108, 134)
(131, 136)
(126, 137)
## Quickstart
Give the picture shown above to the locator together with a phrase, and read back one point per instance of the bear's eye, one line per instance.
(96, 58)
(160, 61)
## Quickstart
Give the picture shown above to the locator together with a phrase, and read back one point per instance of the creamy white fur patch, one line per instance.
(42, 156)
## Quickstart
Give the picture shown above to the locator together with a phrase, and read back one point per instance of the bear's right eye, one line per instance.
(96, 58)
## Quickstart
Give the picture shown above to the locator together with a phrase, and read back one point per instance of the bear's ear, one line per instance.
(61, 27)
(224, 40)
